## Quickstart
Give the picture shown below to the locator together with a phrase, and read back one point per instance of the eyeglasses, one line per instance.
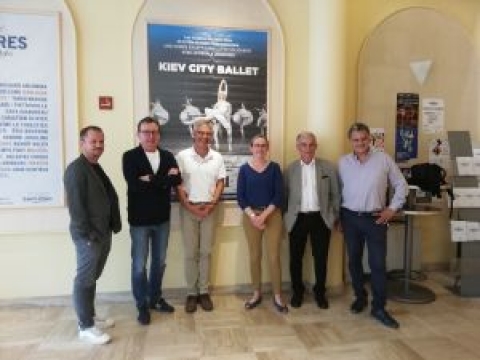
(204, 133)
(149, 132)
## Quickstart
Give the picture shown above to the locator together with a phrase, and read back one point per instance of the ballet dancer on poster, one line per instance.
(221, 114)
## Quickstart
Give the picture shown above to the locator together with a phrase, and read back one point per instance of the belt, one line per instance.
(362, 213)
(258, 208)
(309, 213)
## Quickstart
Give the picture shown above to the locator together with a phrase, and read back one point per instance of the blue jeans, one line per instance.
(357, 231)
(91, 259)
(152, 238)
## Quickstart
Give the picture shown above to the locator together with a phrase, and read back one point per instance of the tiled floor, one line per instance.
(448, 328)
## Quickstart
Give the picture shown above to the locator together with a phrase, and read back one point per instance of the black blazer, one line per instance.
(148, 201)
(93, 215)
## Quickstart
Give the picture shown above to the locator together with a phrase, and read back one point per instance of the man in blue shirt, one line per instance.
(364, 215)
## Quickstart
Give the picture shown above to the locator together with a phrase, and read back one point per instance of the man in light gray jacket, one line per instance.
(312, 209)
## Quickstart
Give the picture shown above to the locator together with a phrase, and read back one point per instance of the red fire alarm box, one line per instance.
(105, 102)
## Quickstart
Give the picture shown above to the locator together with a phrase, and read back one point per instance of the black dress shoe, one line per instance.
(385, 318)
(322, 301)
(281, 308)
(162, 306)
(358, 305)
(249, 305)
(143, 316)
(296, 300)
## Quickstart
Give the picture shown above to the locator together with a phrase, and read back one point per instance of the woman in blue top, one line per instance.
(259, 194)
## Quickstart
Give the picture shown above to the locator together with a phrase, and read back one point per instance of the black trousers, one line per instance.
(309, 224)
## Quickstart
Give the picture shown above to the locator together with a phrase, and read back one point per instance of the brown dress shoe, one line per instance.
(191, 304)
(205, 302)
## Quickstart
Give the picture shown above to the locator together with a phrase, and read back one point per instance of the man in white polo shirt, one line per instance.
(203, 173)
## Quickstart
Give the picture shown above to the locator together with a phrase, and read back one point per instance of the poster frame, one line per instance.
(58, 123)
(233, 158)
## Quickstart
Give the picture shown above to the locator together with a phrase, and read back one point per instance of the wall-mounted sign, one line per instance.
(105, 102)
(31, 150)
(433, 115)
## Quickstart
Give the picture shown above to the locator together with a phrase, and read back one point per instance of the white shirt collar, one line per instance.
(310, 164)
(196, 155)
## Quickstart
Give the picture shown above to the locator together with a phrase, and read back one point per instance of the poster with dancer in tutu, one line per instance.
(218, 73)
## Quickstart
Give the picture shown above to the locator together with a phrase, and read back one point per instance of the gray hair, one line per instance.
(201, 121)
(306, 135)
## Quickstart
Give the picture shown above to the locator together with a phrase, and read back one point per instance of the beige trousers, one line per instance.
(273, 236)
(198, 240)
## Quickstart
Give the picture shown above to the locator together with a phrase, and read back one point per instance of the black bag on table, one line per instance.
(428, 177)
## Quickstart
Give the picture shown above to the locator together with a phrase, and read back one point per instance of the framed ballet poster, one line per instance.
(219, 73)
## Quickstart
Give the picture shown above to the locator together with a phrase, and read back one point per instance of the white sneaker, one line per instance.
(93, 335)
(104, 323)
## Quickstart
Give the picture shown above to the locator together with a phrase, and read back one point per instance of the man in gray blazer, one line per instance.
(312, 209)
(94, 215)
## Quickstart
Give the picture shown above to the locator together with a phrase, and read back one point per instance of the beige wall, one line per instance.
(104, 68)
(384, 71)
(363, 17)
(42, 264)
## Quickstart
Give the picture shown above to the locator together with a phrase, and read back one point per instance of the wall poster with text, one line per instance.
(31, 152)
(219, 73)
(406, 130)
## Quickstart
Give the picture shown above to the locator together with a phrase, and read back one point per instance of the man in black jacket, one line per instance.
(150, 172)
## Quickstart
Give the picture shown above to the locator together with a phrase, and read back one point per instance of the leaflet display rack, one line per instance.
(467, 253)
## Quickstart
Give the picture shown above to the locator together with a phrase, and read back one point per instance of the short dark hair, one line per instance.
(86, 129)
(148, 120)
(358, 126)
(258, 136)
